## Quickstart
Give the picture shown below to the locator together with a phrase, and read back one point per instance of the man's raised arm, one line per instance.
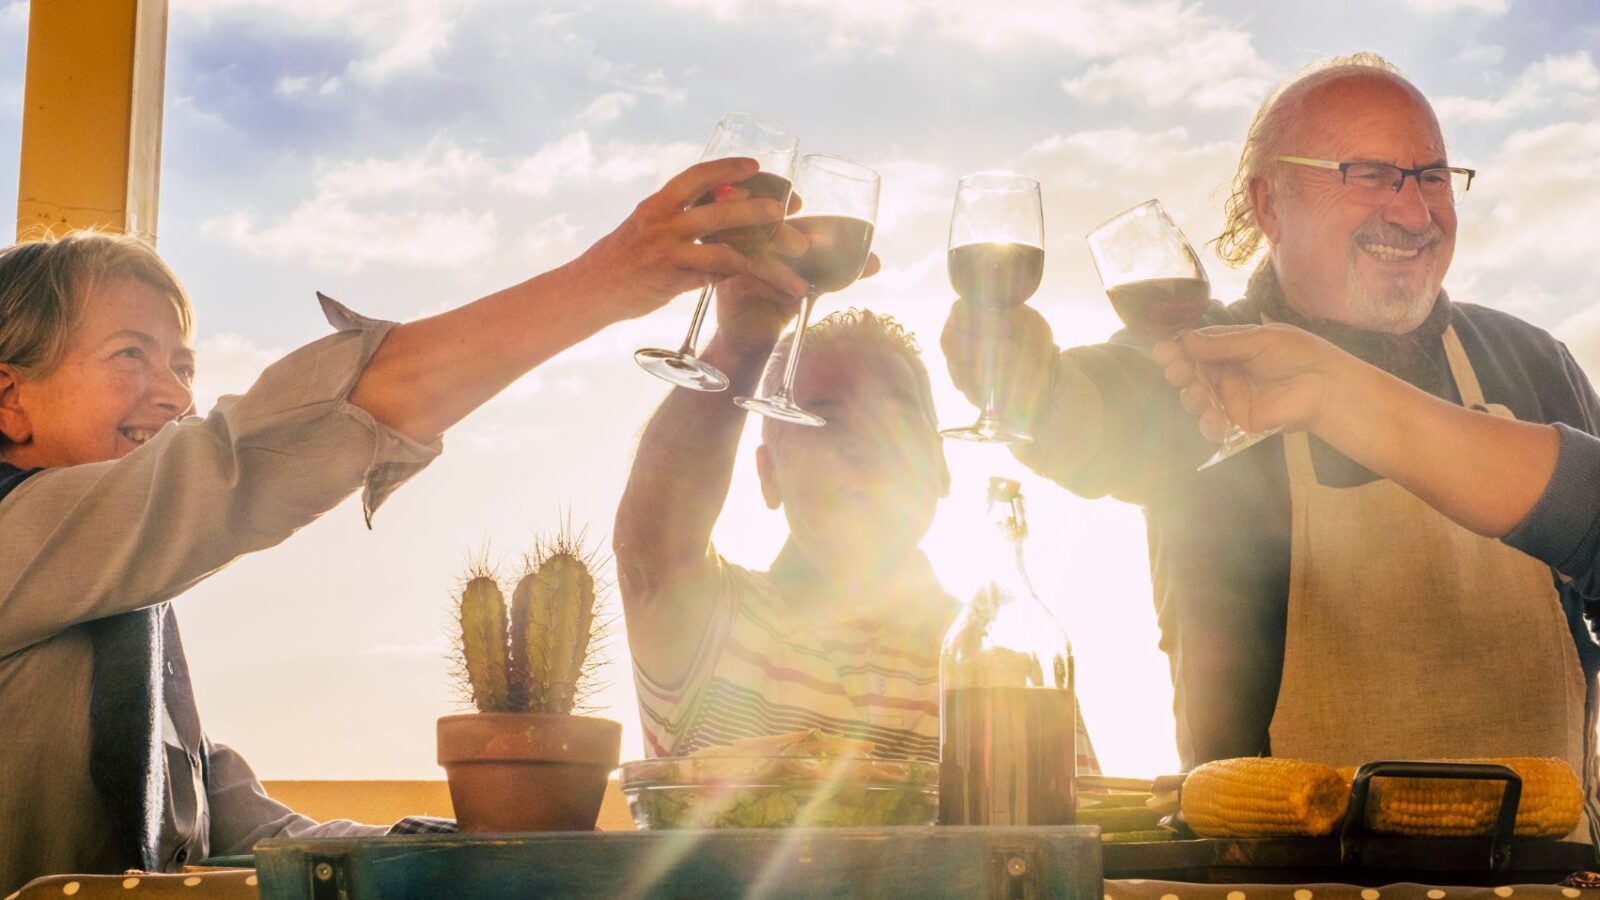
(680, 480)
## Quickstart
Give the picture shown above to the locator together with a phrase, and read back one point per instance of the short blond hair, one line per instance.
(1241, 238)
(43, 284)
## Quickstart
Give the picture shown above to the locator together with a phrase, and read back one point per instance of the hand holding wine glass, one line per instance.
(839, 206)
(996, 261)
(655, 254)
(1158, 288)
(773, 146)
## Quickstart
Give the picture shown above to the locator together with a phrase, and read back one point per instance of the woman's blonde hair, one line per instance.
(1241, 238)
(43, 284)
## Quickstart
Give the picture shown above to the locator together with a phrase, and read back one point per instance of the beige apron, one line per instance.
(1411, 637)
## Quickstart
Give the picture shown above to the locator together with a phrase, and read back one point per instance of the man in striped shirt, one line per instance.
(842, 632)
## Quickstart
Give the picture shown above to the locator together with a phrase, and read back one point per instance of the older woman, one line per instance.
(112, 502)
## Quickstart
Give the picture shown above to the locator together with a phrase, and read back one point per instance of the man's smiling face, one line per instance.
(1340, 255)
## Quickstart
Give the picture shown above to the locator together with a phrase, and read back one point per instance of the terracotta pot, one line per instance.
(527, 771)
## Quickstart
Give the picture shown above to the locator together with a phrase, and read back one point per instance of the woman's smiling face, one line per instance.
(127, 370)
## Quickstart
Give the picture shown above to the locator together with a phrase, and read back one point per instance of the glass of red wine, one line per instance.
(840, 200)
(1158, 288)
(996, 260)
(773, 146)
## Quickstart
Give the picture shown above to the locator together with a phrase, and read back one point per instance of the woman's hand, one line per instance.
(1264, 376)
(655, 254)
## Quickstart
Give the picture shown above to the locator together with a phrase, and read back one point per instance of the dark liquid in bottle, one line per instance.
(750, 238)
(996, 275)
(838, 250)
(1007, 756)
(1161, 307)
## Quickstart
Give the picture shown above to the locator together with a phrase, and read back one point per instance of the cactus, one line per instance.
(538, 658)
(483, 643)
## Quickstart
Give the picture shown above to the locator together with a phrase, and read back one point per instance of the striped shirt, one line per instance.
(764, 669)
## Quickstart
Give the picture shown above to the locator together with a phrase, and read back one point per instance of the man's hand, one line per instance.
(754, 308)
(1012, 350)
(655, 254)
(1263, 376)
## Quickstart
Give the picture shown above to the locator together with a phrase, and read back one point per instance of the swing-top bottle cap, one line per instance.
(1003, 490)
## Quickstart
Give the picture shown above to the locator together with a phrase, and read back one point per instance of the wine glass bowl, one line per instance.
(837, 220)
(996, 260)
(773, 146)
(1158, 287)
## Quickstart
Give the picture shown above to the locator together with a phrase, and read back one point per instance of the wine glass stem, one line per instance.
(786, 392)
(692, 339)
(1216, 401)
(989, 416)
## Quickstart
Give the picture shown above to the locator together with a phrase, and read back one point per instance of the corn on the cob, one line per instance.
(1263, 797)
(1551, 804)
(483, 643)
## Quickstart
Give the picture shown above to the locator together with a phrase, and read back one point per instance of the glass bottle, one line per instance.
(1007, 741)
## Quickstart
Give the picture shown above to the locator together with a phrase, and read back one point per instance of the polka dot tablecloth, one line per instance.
(1140, 889)
(224, 884)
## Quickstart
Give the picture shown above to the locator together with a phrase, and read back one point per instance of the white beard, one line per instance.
(1398, 309)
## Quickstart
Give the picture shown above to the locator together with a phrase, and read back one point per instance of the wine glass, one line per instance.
(773, 146)
(840, 200)
(1158, 288)
(996, 260)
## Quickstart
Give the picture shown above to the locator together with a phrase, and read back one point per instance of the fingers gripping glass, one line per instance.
(1440, 186)
(773, 146)
(1158, 288)
(996, 259)
(840, 200)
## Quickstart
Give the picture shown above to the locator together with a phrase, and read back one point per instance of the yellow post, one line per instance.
(91, 121)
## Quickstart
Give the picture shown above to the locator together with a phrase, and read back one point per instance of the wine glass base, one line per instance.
(983, 433)
(681, 369)
(1235, 442)
(781, 409)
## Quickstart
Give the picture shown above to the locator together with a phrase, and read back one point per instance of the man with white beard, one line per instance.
(1310, 607)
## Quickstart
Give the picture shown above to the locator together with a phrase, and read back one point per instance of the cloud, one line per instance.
(1481, 54)
(1524, 242)
(1571, 81)
(227, 364)
(1162, 75)
(1537, 201)
(607, 107)
(297, 85)
(394, 36)
(1161, 52)
(1493, 7)
(441, 207)
(574, 161)
(14, 16)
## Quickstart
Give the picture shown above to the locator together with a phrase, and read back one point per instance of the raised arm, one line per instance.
(680, 478)
(430, 373)
(1484, 472)
(361, 408)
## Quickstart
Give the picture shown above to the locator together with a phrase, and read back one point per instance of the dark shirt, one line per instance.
(1219, 539)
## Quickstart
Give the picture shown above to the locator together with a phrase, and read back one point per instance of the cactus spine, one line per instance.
(537, 658)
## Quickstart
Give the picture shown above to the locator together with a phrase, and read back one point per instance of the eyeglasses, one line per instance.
(1374, 182)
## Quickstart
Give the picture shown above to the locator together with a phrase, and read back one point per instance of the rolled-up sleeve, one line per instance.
(87, 541)
(1563, 528)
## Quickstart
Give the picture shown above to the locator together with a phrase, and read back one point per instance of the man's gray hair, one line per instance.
(1241, 238)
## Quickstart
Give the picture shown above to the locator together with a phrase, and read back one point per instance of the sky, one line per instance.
(406, 156)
